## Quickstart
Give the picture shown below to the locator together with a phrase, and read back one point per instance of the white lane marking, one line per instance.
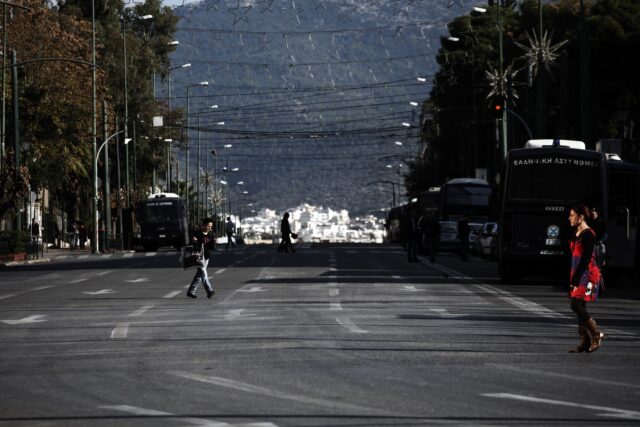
(150, 254)
(222, 270)
(333, 292)
(120, 331)
(40, 288)
(191, 420)
(172, 294)
(141, 279)
(352, 327)
(142, 310)
(335, 306)
(444, 313)
(128, 255)
(102, 273)
(411, 289)
(397, 277)
(101, 292)
(519, 302)
(5, 296)
(107, 256)
(250, 388)
(563, 376)
(35, 318)
(62, 257)
(79, 280)
(253, 289)
(83, 257)
(237, 314)
(609, 411)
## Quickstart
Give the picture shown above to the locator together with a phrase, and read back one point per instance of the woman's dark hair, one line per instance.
(206, 221)
(581, 210)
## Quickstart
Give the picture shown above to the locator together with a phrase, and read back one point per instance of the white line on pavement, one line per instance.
(335, 306)
(150, 254)
(222, 270)
(79, 280)
(83, 257)
(250, 388)
(128, 255)
(352, 327)
(569, 377)
(5, 296)
(334, 292)
(172, 294)
(40, 288)
(107, 255)
(609, 412)
(191, 420)
(102, 273)
(142, 310)
(120, 331)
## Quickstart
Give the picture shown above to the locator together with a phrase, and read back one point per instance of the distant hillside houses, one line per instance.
(315, 224)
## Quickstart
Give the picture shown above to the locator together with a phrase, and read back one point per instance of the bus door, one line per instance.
(622, 223)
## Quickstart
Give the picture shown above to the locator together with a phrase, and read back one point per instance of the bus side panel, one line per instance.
(622, 222)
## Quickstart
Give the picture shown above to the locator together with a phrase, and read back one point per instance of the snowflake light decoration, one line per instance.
(502, 84)
(540, 52)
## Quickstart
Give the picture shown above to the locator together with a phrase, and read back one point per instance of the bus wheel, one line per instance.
(509, 274)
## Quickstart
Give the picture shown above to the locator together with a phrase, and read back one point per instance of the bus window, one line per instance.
(555, 179)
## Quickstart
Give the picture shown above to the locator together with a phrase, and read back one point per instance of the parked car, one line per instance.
(474, 231)
(487, 233)
(449, 235)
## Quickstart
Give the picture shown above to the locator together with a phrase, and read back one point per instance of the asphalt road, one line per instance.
(326, 336)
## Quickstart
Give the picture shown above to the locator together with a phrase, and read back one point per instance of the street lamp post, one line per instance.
(186, 166)
(126, 100)
(95, 183)
(197, 181)
(187, 65)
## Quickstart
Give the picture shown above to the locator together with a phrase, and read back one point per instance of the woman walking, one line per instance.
(585, 279)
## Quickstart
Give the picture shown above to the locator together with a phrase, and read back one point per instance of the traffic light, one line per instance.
(498, 106)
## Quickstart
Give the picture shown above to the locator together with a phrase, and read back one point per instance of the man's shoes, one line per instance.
(192, 295)
(211, 294)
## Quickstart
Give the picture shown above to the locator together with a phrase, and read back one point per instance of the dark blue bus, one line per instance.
(163, 222)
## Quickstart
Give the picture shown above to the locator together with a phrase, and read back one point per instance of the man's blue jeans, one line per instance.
(201, 276)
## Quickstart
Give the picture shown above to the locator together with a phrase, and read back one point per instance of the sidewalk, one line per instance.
(52, 253)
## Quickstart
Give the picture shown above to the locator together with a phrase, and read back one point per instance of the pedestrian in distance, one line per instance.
(82, 235)
(463, 236)
(433, 236)
(204, 238)
(35, 229)
(599, 227)
(75, 236)
(285, 234)
(585, 279)
(230, 229)
(410, 226)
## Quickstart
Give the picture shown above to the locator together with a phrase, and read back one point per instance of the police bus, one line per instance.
(541, 183)
(163, 221)
(466, 198)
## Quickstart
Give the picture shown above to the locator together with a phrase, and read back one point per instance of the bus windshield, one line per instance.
(468, 195)
(160, 211)
(539, 177)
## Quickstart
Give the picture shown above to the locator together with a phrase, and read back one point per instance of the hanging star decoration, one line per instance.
(266, 5)
(502, 84)
(540, 52)
(319, 4)
(240, 13)
(212, 4)
(452, 2)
